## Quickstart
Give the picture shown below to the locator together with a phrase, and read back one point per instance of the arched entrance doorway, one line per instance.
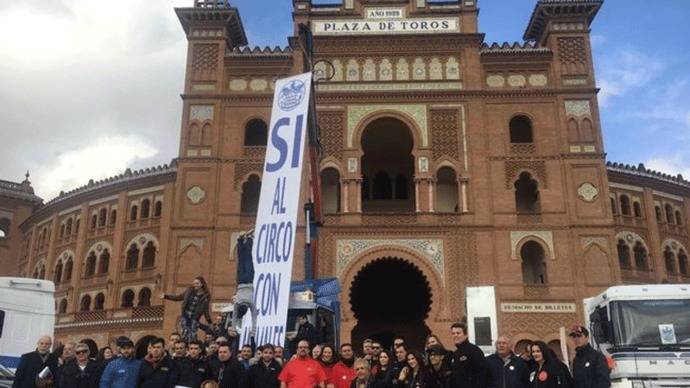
(387, 167)
(390, 296)
(141, 348)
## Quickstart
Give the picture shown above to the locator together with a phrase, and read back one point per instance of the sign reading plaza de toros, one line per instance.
(385, 21)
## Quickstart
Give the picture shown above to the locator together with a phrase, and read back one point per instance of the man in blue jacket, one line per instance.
(123, 372)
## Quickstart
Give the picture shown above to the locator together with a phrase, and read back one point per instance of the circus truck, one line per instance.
(644, 330)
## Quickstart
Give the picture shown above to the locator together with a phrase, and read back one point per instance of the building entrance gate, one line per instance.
(390, 296)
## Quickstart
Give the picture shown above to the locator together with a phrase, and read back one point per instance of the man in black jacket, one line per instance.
(590, 369)
(506, 369)
(264, 374)
(305, 332)
(80, 372)
(468, 368)
(157, 369)
(31, 365)
(225, 369)
(194, 369)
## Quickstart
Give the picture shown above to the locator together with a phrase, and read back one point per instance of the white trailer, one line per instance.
(27, 311)
(645, 330)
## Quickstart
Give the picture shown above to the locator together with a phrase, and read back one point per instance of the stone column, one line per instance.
(462, 195)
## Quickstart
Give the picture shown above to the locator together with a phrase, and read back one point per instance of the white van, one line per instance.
(27, 311)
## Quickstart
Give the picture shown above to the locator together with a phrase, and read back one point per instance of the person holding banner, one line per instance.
(195, 303)
(302, 371)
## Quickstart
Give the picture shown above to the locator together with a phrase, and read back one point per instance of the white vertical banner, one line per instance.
(279, 206)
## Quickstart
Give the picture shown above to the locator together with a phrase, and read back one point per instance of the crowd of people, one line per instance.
(218, 361)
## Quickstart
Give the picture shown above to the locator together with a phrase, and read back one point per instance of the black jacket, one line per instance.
(228, 374)
(438, 378)
(469, 368)
(394, 372)
(514, 374)
(191, 373)
(590, 369)
(72, 376)
(186, 298)
(551, 375)
(162, 375)
(384, 378)
(30, 365)
(260, 375)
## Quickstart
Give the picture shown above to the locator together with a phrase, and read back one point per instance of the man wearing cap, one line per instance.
(506, 369)
(122, 372)
(437, 369)
(590, 369)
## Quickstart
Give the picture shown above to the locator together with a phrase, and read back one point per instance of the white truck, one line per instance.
(645, 330)
(27, 311)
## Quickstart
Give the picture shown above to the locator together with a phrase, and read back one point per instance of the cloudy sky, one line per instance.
(89, 88)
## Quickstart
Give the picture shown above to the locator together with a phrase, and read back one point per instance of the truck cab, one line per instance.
(645, 330)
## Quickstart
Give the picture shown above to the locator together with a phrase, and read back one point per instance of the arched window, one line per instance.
(62, 231)
(446, 190)
(90, 268)
(145, 208)
(573, 131)
(670, 261)
(657, 211)
(76, 228)
(127, 298)
(102, 217)
(637, 209)
(614, 207)
(62, 307)
(68, 227)
(67, 271)
(57, 277)
(625, 205)
(669, 214)
(623, 254)
(402, 187)
(104, 262)
(42, 272)
(527, 194)
(4, 227)
(132, 261)
(149, 259)
(330, 190)
(194, 135)
(144, 297)
(113, 216)
(94, 221)
(679, 218)
(85, 303)
(98, 302)
(383, 188)
(251, 189)
(683, 263)
(533, 263)
(158, 209)
(256, 133)
(521, 130)
(587, 131)
(133, 213)
(641, 262)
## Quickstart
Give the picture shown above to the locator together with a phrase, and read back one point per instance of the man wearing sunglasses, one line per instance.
(80, 372)
(590, 369)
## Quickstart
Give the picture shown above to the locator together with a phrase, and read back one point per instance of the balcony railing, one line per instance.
(637, 275)
(211, 3)
(120, 316)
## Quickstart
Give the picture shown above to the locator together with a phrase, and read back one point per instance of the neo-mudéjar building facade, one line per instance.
(447, 162)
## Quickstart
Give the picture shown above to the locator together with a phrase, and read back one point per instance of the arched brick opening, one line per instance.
(398, 260)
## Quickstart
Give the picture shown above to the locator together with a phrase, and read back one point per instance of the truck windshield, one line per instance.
(651, 322)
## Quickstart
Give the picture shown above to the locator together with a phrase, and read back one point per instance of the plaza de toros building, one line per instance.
(448, 162)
